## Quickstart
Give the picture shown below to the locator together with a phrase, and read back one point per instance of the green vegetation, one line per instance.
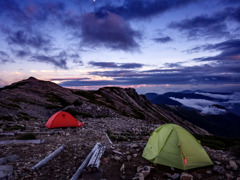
(221, 143)
(26, 136)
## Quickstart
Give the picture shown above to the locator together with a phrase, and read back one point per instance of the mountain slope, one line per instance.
(37, 100)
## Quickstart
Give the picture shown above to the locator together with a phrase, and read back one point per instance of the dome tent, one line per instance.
(173, 146)
(62, 119)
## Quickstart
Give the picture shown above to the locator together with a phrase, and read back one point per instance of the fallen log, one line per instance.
(7, 134)
(48, 158)
(94, 162)
(19, 133)
(35, 141)
(84, 163)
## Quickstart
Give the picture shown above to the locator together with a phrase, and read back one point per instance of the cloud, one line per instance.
(216, 96)
(214, 26)
(229, 53)
(21, 53)
(210, 27)
(163, 39)
(5, 58)
(205, 106)
(116, 65)
(108, 30)
(59, 60)
(35, 40)
(144, 9)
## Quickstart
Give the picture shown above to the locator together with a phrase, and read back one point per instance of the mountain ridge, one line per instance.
(37, 100)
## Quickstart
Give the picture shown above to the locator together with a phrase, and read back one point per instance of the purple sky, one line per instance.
(150, 45)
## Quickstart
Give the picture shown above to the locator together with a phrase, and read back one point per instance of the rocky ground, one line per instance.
(121, 160)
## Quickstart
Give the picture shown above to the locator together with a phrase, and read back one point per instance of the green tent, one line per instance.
(173, 146)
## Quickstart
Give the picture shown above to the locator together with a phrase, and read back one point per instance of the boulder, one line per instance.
(6, 172)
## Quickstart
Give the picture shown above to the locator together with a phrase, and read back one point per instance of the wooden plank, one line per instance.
(109, 140)
(48, 158)
(94, 162)
(84, 163)
(33, 141)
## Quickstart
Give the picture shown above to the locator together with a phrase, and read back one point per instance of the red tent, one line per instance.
(62, 119)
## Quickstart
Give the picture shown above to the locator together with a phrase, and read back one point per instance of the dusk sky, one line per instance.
(150, 45)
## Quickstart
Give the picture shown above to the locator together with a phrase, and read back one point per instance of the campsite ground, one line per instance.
(130, 139)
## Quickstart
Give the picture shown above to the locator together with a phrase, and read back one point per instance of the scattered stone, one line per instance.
(217, 162)
(198, 176)
(117, 158)
(138, 176)
(233, 165)
(219, 169)
(186, 176)
(117, 152)
(122, 169)
(146, 170)
(167, 175)
(129, 157)
(134, 146)
(229, 176)
(135, 155)
(139, 169)
(209, 172)
(175, 176)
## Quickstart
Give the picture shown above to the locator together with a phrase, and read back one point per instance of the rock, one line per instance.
(122, 169)
(139, 169)
(198, 176)
(138, 176)
(209, 172)
(186, 176)
(175, 176)
(217, 162)
(229, 176)
(146, 170)
(6, 172)
(134, 146)
(219, 169)
(135, 155)
(167, 175)
(13, 158)
(238, 178)
(117, 152)
(233, 165)
(129, 157)
(117, 158)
